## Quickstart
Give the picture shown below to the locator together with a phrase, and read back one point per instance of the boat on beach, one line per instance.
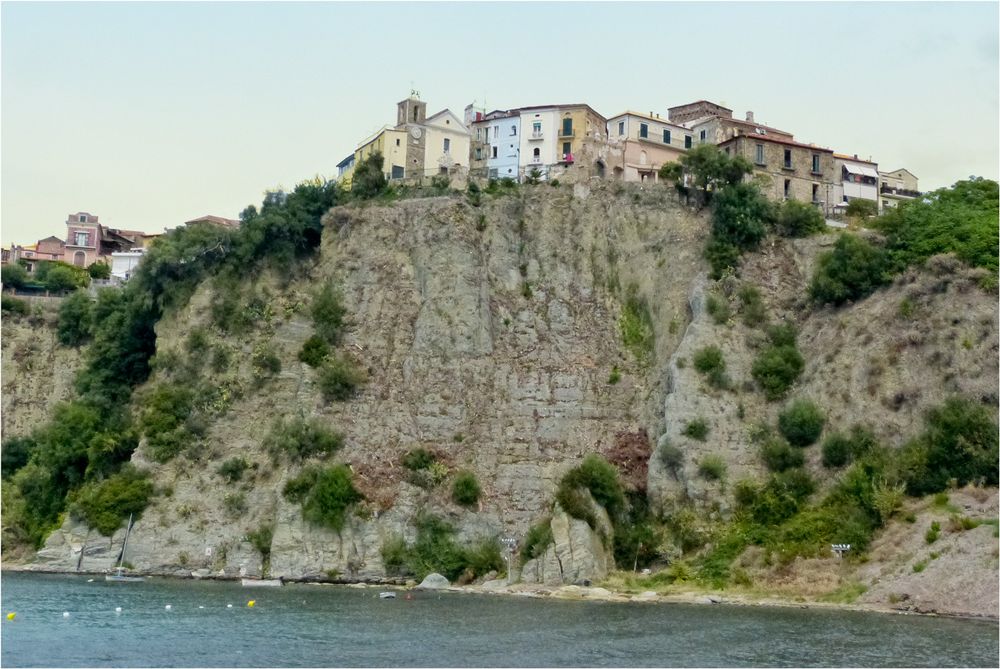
(119, 575)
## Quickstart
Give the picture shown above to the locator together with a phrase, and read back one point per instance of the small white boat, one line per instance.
(119, 575)
(262, 583)
(387, 595)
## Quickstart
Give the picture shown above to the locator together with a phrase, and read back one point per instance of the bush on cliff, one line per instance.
(325, 495)
(301, 438)
(599, 477)
(339, 378)
(852, 270)
(436, 551)
(75, 319)
(801, 422)
(106, 505)
(466, 491)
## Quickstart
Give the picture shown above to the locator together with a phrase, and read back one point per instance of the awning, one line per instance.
(854, 168)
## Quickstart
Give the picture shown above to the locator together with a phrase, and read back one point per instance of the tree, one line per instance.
(740, 215)
(60, 279)
(13, 276)
(852, 270)
(708, 169)
(99, 270)
(798, 219)
(368, 179)
(75, 319)
(862, 208)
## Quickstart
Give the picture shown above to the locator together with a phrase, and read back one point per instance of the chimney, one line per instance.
(855, 156)
(749, 117)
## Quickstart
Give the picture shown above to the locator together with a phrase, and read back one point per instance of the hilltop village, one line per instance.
(543, 143)
(555, 141)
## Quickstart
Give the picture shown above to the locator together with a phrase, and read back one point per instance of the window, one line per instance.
(494, 173)
(643, 130)
(487, 134)
(702, 136)
(494, 152)
(513, 130)
(788, 188)
(536, 128)
(537, 153)
(447, 145)
(788, 158)
(81, 238)
(397, 141)
(621, 128)
(479, 133)
(414, 114)
(687, 141)
(815, 162)
(479, 154)
(758, 156)
(567, 149)
(567, 127)
(815, 192)
(666, 136)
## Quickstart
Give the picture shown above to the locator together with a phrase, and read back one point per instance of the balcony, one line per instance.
(563, 132)
(535, 160)
(886, 189)
(536, 134)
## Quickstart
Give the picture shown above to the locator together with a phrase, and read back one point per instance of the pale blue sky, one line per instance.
(149, 114)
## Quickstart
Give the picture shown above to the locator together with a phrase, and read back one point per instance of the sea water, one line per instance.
(210, 624)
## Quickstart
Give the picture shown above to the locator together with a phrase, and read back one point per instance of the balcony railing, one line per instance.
(886, 189)
(536, 160)
(536, 134)
(563, 132)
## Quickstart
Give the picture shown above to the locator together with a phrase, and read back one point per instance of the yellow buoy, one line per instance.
(11, 615)
(251, 603)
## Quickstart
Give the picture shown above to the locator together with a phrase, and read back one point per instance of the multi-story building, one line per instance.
(551, 135)
(83, 239)
(709, 123)
(897, 187)
(647, 142)
(501, 132)
(478, 149)
(855, 179)
(794, 170)
(392, 144)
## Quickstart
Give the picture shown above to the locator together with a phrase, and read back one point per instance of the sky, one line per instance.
(150, 114)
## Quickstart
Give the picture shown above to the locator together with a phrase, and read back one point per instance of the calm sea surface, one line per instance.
(313, 626)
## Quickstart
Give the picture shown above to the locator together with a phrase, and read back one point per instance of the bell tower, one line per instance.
(411, 110)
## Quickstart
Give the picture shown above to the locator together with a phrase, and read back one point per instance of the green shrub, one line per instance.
(739, 215)
(435, 550)
(339, 379)
(301, 438)
(852, 270)
(106, 504)
(314, 351)
(165, 420)
(776, 369)
(933, 533)
(801, 422)
(615, 376)
(99, 270)
(235, 504)
(598, 477)
(752, 306)
(13, 275)
(721, 256)
(961, 219)
(265, 361)
(538, 538)
(75, 319)
(712, 467)
(718, 308)
(62, 278)
(394, 554)
(783, 334)
(466, 490)
(836, 450)
(959, 442)
(670, 455)
(417, 459)
(261, 539)
(13, 305)
(778, 455)
(14, 454)
(709, 361)
(328, 314)
(232, 469)
(368, 180)
(861, 208)
(636, 325)
(696, 429)
(798, 219)
(325, 495)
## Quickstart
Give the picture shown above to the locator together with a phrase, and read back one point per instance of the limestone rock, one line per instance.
(434, 582)
(577, 554)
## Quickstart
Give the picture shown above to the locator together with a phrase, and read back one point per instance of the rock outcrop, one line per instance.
(577, 553)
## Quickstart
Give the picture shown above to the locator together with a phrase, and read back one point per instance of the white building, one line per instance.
(854, 179)
(123, 263)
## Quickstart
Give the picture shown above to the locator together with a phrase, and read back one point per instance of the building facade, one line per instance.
(856, 179)
(647, 142)
(897, 187)
(793, 170)
(501, 132)
(83, 239)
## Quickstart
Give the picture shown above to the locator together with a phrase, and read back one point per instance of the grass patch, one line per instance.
(636, 325)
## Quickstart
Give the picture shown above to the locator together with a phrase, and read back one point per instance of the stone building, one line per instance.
(793, 170)
(695, 110)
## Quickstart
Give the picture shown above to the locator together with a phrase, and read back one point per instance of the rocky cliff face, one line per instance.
(491, 336)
